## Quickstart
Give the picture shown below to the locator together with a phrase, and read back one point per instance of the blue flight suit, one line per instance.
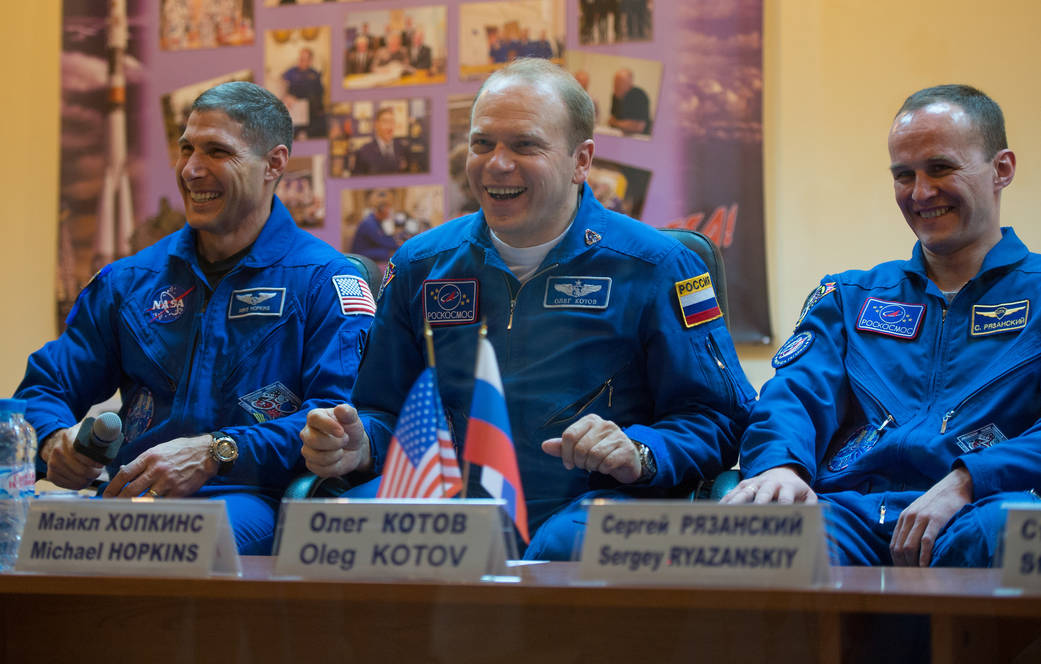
(884, 388)
(251, 358)
(597, 329)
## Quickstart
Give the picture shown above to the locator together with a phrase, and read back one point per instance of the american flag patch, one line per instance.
(355, 296)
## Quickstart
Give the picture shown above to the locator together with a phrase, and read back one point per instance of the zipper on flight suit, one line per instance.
(950, 413)
(514, 296)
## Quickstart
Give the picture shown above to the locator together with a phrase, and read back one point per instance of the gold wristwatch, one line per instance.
(224, 450)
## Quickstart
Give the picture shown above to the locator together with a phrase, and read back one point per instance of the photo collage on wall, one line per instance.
(380, 95)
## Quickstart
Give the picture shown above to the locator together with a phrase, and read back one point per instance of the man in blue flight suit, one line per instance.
(620, 377)
(908, 397)
(219, 337)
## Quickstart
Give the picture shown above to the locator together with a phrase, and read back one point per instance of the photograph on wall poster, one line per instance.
(302, 190)
(186, 25)
(613, 21)
(379, 138)
(625, 91)
(296, 68)
(493, 33)
(377, 221)
(619, 187)
(394, 47)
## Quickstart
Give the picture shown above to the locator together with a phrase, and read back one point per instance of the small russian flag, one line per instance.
(489, 442)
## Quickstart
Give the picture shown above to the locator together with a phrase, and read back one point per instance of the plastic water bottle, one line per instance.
(17, 474)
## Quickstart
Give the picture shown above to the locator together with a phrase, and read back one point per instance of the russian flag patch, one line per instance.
(697, 300)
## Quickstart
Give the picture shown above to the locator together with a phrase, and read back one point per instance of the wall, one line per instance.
(30, 41)
(835, 72)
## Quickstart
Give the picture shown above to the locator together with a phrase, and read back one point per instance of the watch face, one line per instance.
(226, 450)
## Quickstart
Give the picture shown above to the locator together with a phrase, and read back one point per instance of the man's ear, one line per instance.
(277, 161)
(583, 160)
(1004, 168)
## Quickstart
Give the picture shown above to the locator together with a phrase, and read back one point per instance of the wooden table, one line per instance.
(546, 617)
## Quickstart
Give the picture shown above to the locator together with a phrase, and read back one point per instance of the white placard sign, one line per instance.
(1021, 567)
(140, 537)
(704, 543)
(443, 540)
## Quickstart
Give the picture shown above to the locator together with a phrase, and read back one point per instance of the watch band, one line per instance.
(648, 467)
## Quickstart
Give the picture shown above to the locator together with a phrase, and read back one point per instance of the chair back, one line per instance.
(370, 271)
(709, 254)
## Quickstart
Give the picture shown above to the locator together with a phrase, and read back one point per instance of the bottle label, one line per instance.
(10, 482)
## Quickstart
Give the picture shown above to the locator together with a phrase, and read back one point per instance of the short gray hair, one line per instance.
(264, 118)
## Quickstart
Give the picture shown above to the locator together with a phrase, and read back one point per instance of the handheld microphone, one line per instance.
(100, 438)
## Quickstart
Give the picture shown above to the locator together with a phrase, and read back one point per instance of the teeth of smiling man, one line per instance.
(202, 197)
(932, 214)
(504, 191)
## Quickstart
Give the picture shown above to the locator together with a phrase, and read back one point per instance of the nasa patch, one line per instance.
(998, 318)
(167, 304)
(450, 301)
(256, 302)
(792, 349)
(862, 440)
(270, 402)
(892, 319)
(139, 416)
(577, 292)
(982, 437)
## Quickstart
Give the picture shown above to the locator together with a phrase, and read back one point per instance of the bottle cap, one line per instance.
(12, 406)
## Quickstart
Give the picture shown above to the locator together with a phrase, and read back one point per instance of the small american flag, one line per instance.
(355, 296)
(421, 462)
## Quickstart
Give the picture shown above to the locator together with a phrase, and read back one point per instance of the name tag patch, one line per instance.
(270, 402)
(578, 292)
(256, 302)
(892, 319)
(792, 349)
(450, 301)
(982, 437)
(697, 300)
(998, 318)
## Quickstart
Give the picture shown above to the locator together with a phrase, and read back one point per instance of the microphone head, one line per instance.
(107, 427)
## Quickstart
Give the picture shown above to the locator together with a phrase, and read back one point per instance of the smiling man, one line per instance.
(908, 397)
(219, 337)
(613, 389)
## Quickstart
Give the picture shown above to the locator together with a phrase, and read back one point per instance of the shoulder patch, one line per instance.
(891, 319)
(998, 318)
(697, 300)
(815, 296)
(388, 276)
(792, 349)
(450, 301)
(354, 295)
(76, 303)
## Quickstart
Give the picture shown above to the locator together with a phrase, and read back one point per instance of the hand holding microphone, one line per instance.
(99, 439)
(73, 463)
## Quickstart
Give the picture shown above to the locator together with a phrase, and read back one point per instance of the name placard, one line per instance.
(139, 536)
(695, 543)
(1021, 567)
(450, 540)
